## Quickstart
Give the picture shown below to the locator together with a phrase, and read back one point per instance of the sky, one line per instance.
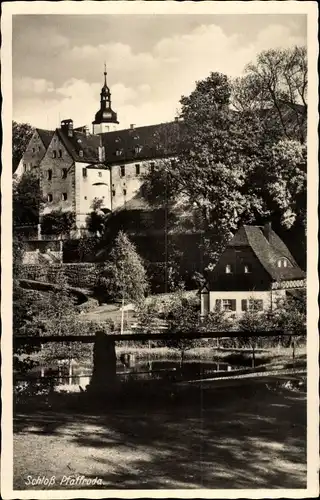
(152, 60)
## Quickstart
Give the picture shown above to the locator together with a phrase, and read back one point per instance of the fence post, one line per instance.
(104, 374)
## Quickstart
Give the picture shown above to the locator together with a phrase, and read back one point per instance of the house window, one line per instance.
(228, 269)
(81, 153)
(64, 196)
(113, 192)
(247, 269)
(152, 165)
(137, 168)
(64, 173)
(251, 305)
(122, 171)
(49, 175)
(226, 304)
(60, 153)
(137, 149)
(100, 174)
(49, 197)
(54, 154)
(124, 192)
(84, 172)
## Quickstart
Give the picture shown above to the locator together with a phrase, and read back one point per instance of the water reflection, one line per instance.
(72, 375)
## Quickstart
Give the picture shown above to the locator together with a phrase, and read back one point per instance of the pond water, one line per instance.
(65, 374)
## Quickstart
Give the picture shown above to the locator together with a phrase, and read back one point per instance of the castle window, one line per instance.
(84, 172)
(137, 168)
(60, 153)
(64, 173)
(64, 196)
(152, 165)
(54, 154)
(124, 192)
(228, 269)
(49, 197)
(81, 153)
(122, 171)
(100, 174)
(49, 175)
(247, 269)
(113, 192)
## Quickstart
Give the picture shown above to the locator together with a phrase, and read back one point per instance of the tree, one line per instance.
(124, 276)
(250, 322)
(276, 86)
(286, 182)
(97, 219)
(21, 135)
(26, 200)
(216, 161)
(58, 222)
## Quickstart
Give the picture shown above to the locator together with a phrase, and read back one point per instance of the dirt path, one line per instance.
(237, 437)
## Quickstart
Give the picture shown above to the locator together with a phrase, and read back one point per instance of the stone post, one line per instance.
(104, 375)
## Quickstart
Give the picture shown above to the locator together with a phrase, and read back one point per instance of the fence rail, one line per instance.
(153, 336)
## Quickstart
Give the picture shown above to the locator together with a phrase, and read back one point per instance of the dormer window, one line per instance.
(228, 269)
(247, 269)
(282, 262)
(118, 152)
(137, 149)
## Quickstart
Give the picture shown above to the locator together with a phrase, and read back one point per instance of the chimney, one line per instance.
(267, 230)
(67, 127)
(132, 126)
(86, 130)
(176, 119)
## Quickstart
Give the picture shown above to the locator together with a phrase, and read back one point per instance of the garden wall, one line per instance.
(81, 275)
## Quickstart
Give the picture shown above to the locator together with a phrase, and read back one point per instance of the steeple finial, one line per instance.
(105, 74)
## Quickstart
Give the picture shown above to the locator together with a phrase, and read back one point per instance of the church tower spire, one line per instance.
(105, 119)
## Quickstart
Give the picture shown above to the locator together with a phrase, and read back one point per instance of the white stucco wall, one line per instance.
(95, 185)
(269, 298)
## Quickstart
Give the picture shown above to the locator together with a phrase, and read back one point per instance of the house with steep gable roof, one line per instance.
(254, 271)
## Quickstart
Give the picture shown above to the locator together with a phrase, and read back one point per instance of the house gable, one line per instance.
(57, 177)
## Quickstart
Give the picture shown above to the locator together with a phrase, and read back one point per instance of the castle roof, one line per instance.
(45, 136)
(268, 249)
(140, 143)
(79, 141)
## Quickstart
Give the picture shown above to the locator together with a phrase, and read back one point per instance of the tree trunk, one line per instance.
(253, 356)
(293, 348)
(181, 359)
(122, 315)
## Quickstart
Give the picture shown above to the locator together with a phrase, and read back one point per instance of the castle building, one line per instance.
(76, 167)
